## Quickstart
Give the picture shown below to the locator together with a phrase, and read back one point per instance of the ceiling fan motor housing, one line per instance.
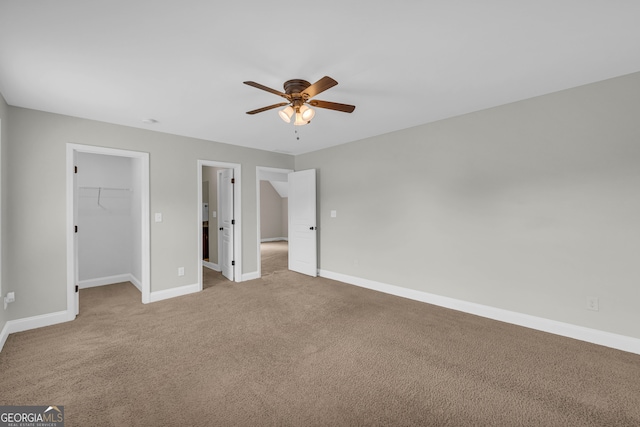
(294, 89)
(294, 86)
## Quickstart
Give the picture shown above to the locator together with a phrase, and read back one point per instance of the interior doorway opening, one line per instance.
(219, 225)
(107, 210)
(272, 189)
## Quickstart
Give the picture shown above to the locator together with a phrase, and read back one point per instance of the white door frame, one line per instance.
(237, 213)
(262, 173)
(72, 260)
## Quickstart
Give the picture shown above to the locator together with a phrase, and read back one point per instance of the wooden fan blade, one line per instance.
(270, 107)
(318, 87)
(345, 108)
(268, 89)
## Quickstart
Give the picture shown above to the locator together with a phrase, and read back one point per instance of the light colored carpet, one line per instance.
(289, 350)
(274, 257)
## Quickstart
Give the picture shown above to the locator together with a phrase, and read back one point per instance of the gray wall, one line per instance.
(285, 217)
(4, 139)
(273, 223)
(530, 207)
(35, 159)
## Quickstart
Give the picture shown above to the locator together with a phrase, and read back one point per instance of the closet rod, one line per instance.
(104, 188)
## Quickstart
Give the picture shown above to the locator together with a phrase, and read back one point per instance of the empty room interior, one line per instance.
(413, 213)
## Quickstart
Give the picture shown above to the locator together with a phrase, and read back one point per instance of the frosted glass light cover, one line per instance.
(307, 113)
(286, 113)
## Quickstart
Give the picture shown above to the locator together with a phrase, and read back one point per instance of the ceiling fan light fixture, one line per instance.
(298, 94)
(307, 113)
(299, 120)
(286, 113)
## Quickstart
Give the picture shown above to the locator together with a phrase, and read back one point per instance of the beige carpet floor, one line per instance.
(288, 350)
(274, 257)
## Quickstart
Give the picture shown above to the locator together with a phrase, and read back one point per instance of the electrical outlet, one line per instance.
(592, 304)
(11, 297)
(180, 271)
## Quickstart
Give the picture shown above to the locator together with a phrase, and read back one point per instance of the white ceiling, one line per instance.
(402, 63)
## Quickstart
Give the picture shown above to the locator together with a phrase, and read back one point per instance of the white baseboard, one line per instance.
(211, 266)
(133, 279)
(173, 292)
(40, 321)
(250, 276)
(274, 239)
(4, 335)
(607, 339)
(13, 326)
(110, 280)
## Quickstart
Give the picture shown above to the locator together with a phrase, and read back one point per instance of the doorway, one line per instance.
(219, 222)
(103, 198)
(272, 190)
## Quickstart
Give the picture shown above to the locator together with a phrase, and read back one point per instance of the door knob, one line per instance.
(221, 228)
(312, 228)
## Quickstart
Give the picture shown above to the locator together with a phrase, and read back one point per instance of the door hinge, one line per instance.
(76, 288)
(233, 180)
(233, 222)
(75, 169)
(76, 228)
(233, 263)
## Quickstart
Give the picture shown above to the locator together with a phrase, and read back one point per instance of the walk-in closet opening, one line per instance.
(109, 211)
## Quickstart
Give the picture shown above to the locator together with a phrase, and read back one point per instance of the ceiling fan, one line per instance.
(298, 94)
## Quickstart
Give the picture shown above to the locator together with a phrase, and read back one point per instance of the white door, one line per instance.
(226, 223)
(302, 222)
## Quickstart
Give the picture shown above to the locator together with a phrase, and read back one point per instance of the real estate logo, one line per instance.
(32, 416)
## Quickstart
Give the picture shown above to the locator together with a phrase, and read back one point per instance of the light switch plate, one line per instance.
(334, 214)
(158, 217)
